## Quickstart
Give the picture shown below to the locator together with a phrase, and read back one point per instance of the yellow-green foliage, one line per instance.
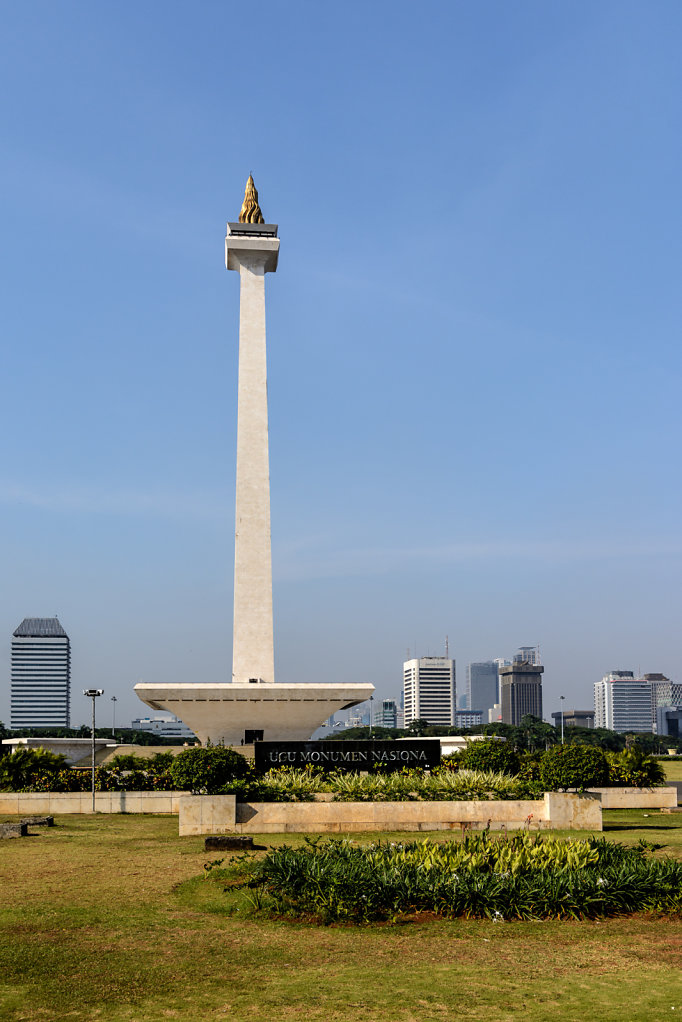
(517, 854)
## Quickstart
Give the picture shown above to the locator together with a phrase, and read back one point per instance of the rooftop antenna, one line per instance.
(447, 649)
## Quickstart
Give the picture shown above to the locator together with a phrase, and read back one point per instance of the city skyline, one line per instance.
(473, 397)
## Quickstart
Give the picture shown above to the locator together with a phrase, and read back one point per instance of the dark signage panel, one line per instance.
(363, 755)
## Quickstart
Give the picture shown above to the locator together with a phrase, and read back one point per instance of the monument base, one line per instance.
(240, 713)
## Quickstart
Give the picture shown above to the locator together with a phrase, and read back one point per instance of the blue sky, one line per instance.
(474, 364)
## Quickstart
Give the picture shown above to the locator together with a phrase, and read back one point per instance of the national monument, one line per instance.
(252, 706)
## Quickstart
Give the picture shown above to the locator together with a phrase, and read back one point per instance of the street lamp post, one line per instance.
(371, 706)
(561, 700)
(114, 700)
(92, 693)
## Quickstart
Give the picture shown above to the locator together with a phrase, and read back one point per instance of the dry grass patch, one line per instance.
(108, 918)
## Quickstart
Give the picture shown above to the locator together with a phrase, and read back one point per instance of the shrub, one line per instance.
(634, 769)
(529, 766)
(208, 770)
(489, 754)
(525, 877)
(126, 761)
(573, 766)
(24, 767)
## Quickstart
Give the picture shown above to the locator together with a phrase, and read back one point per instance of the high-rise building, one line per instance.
(623, 702)
(387, 716)
(520, 691)
(664, 693)
(482, 685)
(430, 690)
(573, 718)
(40, 691)
(527, 655)
(468, 718)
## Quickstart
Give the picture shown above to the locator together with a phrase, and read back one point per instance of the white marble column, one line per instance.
(253, 647)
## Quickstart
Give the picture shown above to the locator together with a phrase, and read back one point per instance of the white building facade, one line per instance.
(623, 702)
(430, 691)
(40, 694)
(165, 726)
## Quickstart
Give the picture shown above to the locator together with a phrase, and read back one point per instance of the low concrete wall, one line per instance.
(676, 786)
(637, 798)
(221, 814)
(34, 804)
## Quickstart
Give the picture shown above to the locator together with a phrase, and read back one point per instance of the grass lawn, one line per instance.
(109, 918)
(673, 770)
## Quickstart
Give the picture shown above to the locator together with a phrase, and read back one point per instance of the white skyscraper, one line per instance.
(430, 690)
(623, 702)
(41, 674)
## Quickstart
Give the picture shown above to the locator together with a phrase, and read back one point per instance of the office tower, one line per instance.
(430, 690)
(387, 716)
(41, 674)
(482, 685)
(664, 694)
(623, 702)
(520, 691)
(574, 718)
(469, 718)
(527, 655)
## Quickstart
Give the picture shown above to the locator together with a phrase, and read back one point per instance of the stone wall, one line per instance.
(637, 798)
(221, 814)
(34, 804)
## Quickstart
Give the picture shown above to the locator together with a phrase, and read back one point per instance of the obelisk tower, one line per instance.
(252, 247)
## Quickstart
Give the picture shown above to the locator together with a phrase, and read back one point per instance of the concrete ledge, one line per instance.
(57, 803)
(221, 814)
(637, 798)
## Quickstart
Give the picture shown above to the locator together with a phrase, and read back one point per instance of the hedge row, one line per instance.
(564, 766)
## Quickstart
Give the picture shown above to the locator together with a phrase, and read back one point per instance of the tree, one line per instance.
(417, 727)
(537, 734)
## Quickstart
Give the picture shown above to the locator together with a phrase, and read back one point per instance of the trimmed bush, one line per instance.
(573, 766)
(529, 766)
(207, 770)
(488, 754)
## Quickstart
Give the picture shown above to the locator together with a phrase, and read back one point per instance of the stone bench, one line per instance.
(8, 830)
(38, 821)
(228, 842)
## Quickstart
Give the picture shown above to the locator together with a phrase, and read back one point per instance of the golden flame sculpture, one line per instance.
(251, 211)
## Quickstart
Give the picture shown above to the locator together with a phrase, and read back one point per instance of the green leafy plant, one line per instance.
(21, 770)
(634, 768)
(209, 770)
(489, 754)
(573, 766)
(522, 877)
